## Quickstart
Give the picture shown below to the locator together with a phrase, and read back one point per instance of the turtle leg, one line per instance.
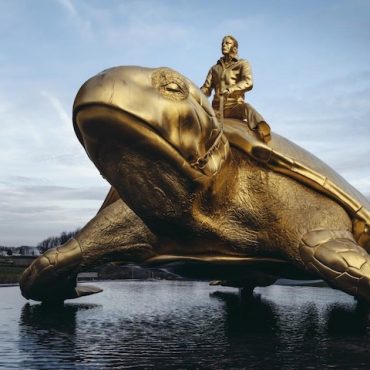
(339, 260)
(248, 282)
(114, 234)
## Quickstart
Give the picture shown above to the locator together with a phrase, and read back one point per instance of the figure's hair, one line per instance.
(235, 41)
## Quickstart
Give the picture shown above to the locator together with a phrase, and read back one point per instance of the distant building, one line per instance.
(26, 250)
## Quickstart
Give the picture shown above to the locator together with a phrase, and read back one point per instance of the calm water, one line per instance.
(186, 325)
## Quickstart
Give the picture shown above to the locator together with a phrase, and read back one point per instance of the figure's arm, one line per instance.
(207, 86)
(246, 81)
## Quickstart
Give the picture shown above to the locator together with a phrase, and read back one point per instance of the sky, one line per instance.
(311, 69)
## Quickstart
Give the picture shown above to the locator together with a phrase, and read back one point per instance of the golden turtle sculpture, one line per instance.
(202, 198)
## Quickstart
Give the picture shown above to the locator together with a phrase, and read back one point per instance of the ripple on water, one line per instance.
(182, 325)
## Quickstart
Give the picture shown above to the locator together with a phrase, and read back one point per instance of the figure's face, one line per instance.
(227, 46)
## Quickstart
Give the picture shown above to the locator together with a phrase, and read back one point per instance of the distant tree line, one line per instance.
(54, 241)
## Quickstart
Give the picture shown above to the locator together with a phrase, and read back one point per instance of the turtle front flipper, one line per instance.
(52, 276)
(339, 260)
(116, 233)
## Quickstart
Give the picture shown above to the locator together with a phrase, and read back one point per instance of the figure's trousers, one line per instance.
(246, 113)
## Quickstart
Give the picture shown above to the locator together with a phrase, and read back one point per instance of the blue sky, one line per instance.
(310, 61)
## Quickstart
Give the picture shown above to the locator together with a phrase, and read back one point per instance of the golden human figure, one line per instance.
(230, 78)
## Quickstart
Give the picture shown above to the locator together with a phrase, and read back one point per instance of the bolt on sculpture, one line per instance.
(201, 200)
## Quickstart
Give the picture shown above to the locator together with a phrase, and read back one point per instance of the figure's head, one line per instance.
(229, 46)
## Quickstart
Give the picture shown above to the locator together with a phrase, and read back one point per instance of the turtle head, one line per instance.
(154, 109)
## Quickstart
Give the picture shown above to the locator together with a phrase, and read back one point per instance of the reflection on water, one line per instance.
(248, 315)
(51, 333)
(294, 334)
(186, 325)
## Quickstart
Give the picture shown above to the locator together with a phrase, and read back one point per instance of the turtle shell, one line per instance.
(283, 156)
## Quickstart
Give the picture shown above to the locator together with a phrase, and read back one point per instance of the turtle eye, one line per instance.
(170, 84)
(174, 87)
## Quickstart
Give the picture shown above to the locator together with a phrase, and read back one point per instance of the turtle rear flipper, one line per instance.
(339, 260)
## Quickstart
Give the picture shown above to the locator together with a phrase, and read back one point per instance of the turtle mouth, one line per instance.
(97, 123)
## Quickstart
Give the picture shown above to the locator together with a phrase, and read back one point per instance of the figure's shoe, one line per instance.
(264, 131)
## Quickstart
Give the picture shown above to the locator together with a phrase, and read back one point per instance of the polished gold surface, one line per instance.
(230, 78)
(204, 198)
(285, 157)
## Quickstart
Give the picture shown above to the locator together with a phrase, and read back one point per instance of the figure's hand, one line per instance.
(226, 92)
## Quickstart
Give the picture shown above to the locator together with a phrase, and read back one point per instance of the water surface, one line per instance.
(186, 325)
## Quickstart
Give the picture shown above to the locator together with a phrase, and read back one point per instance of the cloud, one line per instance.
(47, 183)
(330, 118)
(68, 5)
(81, 22)
(42, 210)
(131, 30)
(317, 96)
(57, 105)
